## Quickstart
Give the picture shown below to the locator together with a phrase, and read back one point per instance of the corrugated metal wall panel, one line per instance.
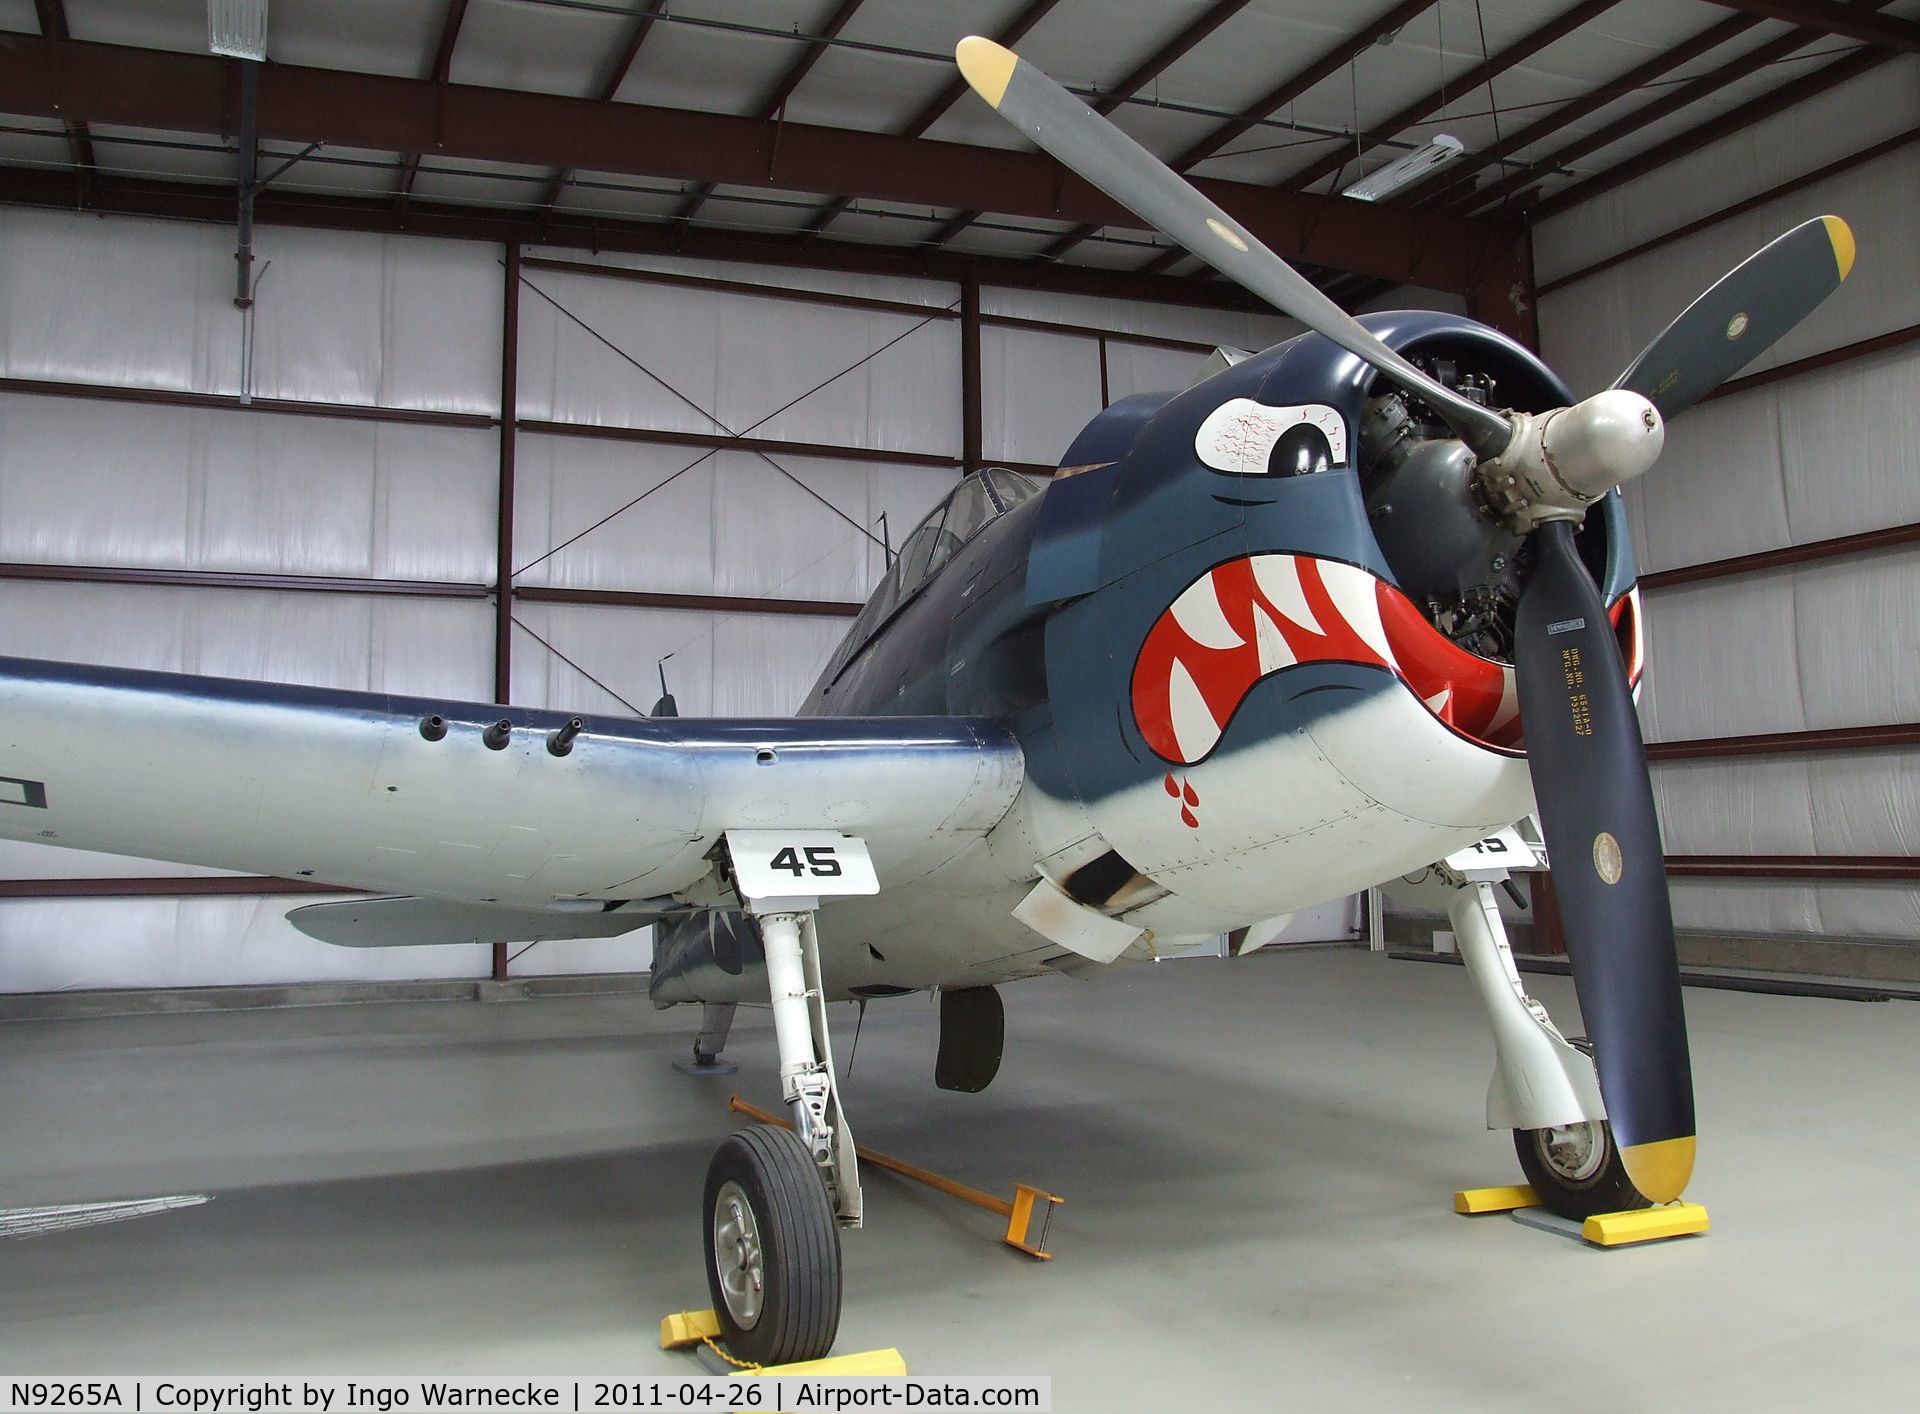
(1820, 455)
(208, 488)
(398, 322)
(1036, 391)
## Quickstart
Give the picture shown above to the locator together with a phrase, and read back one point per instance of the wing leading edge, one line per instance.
(409, 795)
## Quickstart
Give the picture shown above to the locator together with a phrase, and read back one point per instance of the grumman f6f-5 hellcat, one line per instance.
(1329, 616)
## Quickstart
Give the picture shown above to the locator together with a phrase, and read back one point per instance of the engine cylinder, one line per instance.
(1429, 523)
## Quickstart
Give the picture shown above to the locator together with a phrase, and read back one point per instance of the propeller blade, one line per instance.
(1095, 149)
(1603, 845)
(1739, 319)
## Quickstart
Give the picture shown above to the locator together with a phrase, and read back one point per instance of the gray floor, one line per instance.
(1258, 1158)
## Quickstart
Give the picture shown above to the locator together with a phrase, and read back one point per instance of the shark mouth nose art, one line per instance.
(1245, 620)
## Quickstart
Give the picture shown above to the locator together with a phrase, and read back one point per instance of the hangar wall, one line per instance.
(149, 517)
(1825, 452)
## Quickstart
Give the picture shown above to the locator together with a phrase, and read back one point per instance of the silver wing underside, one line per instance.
(346, 787)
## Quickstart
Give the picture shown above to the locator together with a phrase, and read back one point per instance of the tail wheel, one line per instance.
(1576, 1169)
(773, 1249)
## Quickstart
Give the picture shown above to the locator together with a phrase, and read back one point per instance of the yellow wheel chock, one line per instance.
(1645, 1225)
(685, 1329)
(1601, 1230)
(1019, 1213)
(1474, 1201)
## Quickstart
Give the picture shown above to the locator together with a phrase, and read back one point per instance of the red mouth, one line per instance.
(1259, 615)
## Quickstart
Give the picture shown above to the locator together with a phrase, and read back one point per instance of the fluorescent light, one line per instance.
(1403, 172)
(237, 28)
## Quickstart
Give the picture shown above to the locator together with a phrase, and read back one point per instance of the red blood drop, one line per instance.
(1191, 821)
(1193, 796)
(1173, 787)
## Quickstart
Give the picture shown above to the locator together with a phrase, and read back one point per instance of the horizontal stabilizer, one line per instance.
(433, 922)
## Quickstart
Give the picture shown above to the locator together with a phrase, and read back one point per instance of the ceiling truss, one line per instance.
(637, 33)
(1142, 74)
(932, 112)
(1483, 73)
(1445, 232)
(439, 76)
(1677, 98)
(189, 93)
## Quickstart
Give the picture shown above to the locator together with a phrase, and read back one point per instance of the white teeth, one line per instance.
(1274, 653)
(1199, 614)
(1279, 579)
(1438, 702)
(1194, 729)
(1355, 594)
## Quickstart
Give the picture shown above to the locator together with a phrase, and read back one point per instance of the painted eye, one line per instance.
(1247, 438)
(1300, 451)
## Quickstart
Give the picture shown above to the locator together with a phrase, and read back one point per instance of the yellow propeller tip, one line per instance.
(1660, 1170)
(985, 65)
(1841, 234)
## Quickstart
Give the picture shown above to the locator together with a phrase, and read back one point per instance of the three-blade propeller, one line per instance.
(1583, 738)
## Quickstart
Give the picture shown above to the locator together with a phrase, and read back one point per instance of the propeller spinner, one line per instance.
(1537, 474)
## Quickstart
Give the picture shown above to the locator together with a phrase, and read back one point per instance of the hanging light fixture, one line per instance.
(237, 28)
(1404, 171)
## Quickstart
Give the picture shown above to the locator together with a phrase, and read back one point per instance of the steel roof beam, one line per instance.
(936, 109)
(1779, 48)
(53, 24)
(1324, 67)
(1746, 115)
(1532, 134)
(1782, 47)
(1275, 99)
(1739, 208)
(622, 66)
(1485, 72)
(202, 201)
(1886, 31)
(439, 76)
(775, 104)
(189, 93)
(1168, 54)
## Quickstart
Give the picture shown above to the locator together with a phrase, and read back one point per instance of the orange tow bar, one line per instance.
(1018, 1213)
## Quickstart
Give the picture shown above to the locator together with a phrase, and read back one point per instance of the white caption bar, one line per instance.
(763, 1394)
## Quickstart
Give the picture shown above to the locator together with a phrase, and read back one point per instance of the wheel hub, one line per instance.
(737, 1257)
(1576, 1151)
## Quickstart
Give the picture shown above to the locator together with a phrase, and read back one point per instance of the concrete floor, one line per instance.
(1258, 1157)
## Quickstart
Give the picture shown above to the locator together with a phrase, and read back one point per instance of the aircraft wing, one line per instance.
(418, 796)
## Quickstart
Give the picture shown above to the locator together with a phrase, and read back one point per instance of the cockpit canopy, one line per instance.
(987, 493)
(979, 498)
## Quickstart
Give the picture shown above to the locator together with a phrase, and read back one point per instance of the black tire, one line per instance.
(1579, 1179)
(771, 1174)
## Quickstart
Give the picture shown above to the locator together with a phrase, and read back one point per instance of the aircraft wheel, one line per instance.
(773, 1249)
(1576, 1170)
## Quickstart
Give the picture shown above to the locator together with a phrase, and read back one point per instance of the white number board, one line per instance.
(1502, 852)
(800, 863)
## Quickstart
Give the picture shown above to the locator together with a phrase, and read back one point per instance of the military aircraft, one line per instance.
(1346, 609)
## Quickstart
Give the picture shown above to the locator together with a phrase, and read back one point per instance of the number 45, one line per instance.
(820, 862)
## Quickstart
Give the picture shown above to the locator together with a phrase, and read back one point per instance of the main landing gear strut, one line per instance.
(776, 1199)
(1544, 1088)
